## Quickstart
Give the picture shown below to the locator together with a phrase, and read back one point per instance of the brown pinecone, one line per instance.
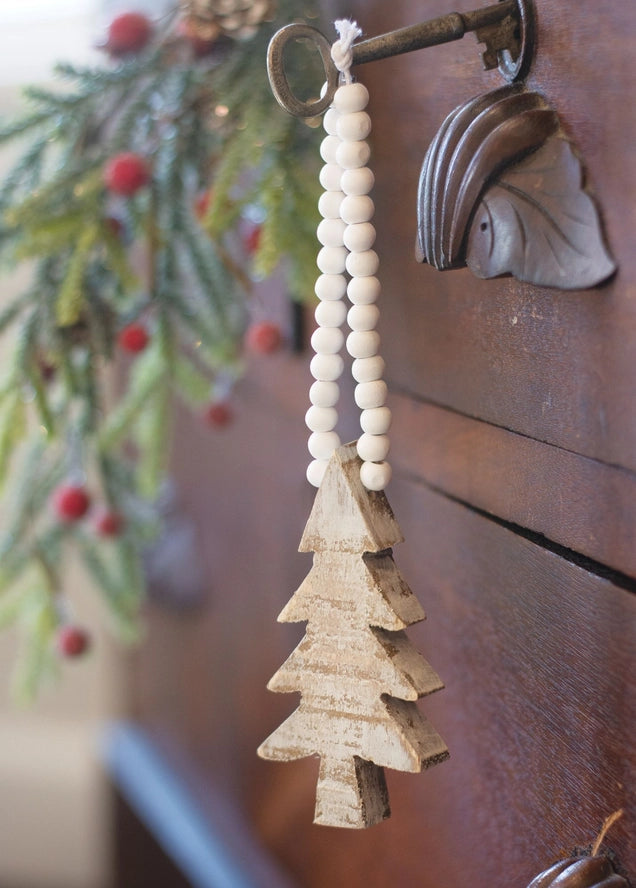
(238, 19)
(580, 872)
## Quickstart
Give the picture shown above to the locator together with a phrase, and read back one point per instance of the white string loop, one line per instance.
(342, 49)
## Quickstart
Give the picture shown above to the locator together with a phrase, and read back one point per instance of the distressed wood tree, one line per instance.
(358, 674)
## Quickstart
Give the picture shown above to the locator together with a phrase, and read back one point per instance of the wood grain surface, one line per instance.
(558, 367)
(579, 503)
(534, 653)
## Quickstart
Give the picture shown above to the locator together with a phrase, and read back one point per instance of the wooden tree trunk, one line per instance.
(351, 792)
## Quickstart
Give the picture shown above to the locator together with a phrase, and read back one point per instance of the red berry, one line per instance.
(109, 523)
(202, 204)
(201, 45)
(219, 414)
(133, 338)
(71, 502)
(264, 338)
(128, 33)
(126, 173)
(252, 239)
(47, 370)
(72, 641)
(114, 226)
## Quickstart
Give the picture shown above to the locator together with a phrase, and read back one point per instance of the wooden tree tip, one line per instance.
(346, 517)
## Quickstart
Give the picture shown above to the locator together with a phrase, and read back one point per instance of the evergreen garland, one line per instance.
(162, 264)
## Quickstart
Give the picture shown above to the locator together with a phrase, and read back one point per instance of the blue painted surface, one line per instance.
(168, 811)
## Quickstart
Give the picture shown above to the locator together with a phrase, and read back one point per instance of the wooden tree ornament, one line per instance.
(357, 672)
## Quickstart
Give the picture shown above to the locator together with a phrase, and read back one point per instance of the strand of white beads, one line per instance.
(327, 341)
(363, 343)
(347, 235)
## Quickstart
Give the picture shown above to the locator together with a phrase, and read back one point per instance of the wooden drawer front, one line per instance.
(538, 714)
(555, 366)
(579, 504)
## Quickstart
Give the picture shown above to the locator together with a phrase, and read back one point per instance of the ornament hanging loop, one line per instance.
(506, 28)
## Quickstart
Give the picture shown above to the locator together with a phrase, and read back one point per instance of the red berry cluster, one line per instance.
(71, 502)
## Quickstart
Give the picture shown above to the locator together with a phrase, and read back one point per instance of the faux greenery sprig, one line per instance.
(131, 197)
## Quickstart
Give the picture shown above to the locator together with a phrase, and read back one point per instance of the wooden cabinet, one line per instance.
(515, 460)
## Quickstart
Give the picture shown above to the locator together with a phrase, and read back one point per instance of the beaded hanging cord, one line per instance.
(358, 674)
(347, 235)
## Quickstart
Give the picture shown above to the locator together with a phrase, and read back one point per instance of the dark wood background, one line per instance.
(515, 457)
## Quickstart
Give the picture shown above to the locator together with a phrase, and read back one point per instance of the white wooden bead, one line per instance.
(373, 448)
(331, 286)
(327, 367)
(363, 317)
(371, 394)
(376, 421)
(364, 264)
(324, 394)
(327, 341)
(351, 97)
(375, 476)
(331, 314)
(321, 445)
(316, 471)
(368, 369)
(356, 208)
(331, 232)
(330, 176)
(332, 260)
(354, 127)
(351, 155)
(321, 419)
(357, 181)
(328, 148)
(330, 121)
(329, 204)
(363, 345)
(359, 238)
(364, 290)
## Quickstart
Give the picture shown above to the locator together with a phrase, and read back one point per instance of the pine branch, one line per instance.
(191, 382)
(147, 376)
(35, 659)
(101, 261)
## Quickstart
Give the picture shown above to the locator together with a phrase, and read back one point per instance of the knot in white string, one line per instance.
(342, 49)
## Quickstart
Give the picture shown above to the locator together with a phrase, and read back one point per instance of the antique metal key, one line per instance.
(505, 28)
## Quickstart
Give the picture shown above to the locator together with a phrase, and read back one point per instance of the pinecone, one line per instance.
(238, 19)
(580, 872)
